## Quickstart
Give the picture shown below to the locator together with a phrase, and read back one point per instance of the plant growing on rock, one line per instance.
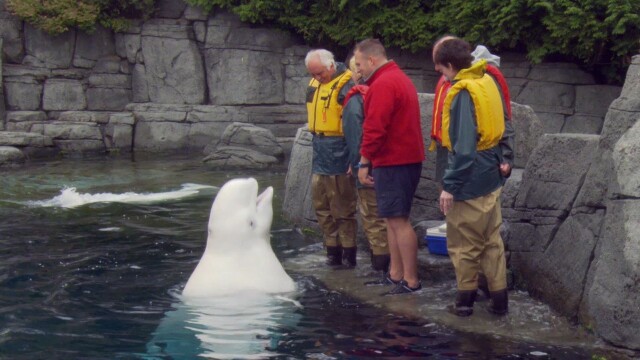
(600, 35)
(58, 16)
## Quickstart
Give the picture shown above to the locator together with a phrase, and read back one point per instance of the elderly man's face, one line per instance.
(320, 72)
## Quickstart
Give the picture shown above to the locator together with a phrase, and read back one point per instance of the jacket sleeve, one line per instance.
(507, 143)
(463, 132)
(352, 118)
(379, 108)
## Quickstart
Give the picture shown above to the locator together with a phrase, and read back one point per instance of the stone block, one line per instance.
(595, 99)
(72, 131)
(11, 30)
(119, 136)
(80, 146)
(174, 71)
(132, 44)
(550, 97)
(583, 124)
(562, 73)
(63, 94)
(91, 47)
(22, 92)
(161, 136)
(84, 116)
(257, 77)
(552, 123)
(555, 171)
(54, 52)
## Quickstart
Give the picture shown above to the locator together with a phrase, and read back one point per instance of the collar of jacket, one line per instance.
(389, 64)
(475, 71)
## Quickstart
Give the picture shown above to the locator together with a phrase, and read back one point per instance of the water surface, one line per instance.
(94, 254)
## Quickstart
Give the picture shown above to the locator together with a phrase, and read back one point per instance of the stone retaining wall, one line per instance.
(183, 74)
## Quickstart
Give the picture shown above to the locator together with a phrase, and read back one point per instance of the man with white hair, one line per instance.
(333, 191)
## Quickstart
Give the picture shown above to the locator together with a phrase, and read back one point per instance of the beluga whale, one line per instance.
(239, 301)
(238, 256)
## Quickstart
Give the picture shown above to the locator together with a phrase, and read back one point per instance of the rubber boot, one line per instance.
(464, 303)
(334, 255)
(349, 256)
(380, 262)
(499, 303)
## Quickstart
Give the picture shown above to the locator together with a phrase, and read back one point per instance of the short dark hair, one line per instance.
(371, 47)
(455, 51)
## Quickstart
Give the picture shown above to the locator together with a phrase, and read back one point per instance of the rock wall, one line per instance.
(573, 227)
(176, 81)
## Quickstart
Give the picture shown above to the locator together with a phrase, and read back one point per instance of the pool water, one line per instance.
(94, 254)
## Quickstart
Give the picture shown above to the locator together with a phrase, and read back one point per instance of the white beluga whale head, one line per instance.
(238, 256)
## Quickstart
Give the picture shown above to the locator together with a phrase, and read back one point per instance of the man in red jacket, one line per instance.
(392, 145)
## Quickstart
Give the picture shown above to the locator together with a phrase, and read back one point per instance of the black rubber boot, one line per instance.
(334, 255)
(349, 256)
(380, 262)
(464, 303)
(499, 303)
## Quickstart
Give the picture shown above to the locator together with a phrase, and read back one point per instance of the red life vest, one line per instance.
(358, 89)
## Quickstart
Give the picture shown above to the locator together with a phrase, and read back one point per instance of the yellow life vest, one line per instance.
(486, 100)
(324, 111)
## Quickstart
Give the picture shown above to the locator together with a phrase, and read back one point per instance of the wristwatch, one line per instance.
(364, 165)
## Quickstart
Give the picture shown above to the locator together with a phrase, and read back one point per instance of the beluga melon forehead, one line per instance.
(236, 194)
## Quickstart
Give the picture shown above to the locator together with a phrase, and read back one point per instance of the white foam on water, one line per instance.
(71, 198)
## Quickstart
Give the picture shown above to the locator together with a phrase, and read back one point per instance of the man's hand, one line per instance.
(505, 169)
(364, 177)
(446, 202)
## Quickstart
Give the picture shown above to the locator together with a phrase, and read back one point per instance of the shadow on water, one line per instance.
(100, 280)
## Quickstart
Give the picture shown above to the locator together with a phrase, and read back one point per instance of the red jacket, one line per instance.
(392, 134)
(441, 92)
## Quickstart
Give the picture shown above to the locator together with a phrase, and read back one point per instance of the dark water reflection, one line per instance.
(96, 281)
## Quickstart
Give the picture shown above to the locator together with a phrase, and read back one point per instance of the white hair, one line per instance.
(324, 56)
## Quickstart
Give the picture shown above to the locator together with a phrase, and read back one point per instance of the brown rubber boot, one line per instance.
(349, 256)
(334, 255)
(380, 262)
(464, 303)
(499, 303)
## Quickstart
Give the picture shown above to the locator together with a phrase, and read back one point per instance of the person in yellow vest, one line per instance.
(472, 126)
(333, 191)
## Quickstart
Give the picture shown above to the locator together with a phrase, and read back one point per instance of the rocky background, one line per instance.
(186, 81)
(175, 82)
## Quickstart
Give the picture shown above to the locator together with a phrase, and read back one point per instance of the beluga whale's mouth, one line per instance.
(263, 195)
